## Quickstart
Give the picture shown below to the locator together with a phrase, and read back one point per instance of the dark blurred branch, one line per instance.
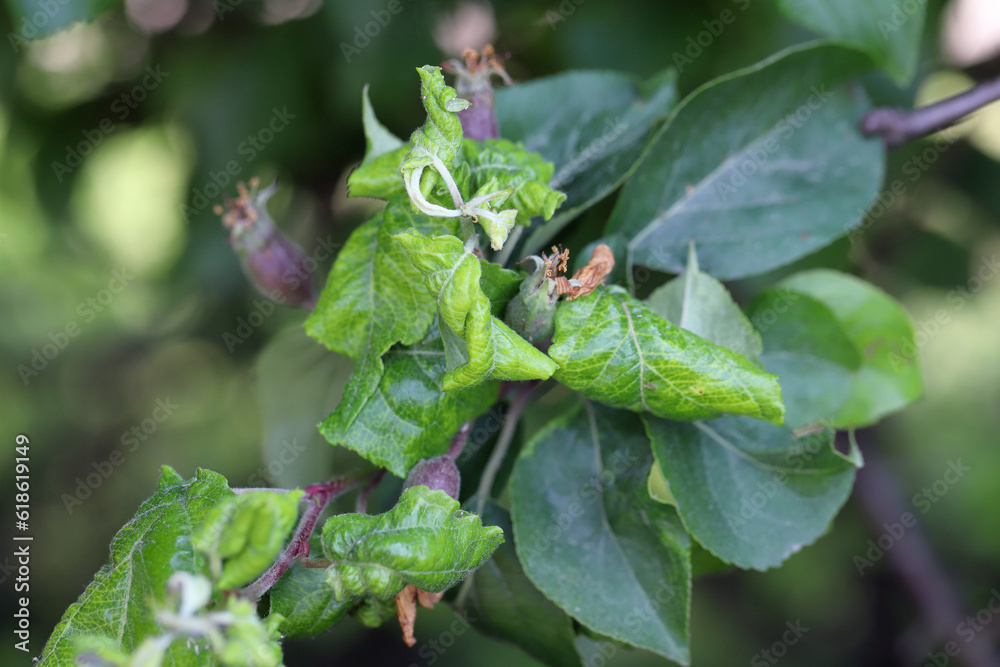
(898, 126)
(912, 558)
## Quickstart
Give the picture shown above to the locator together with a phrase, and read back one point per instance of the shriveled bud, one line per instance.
(438, 473)
(275, 265)
(473, 82)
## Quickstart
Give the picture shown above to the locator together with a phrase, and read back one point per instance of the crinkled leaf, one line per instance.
(591, 539)
(751, 493)
(808, 349)
(425, 540)
(440, 137)
(478, 346)
(592, 125)
(242, 535)
(504, 164)
(154, 544)
(306, 603)
(758, 168)
(888, 30)
(612, 348)
(398, 415)
(374, 297)
(701, 304)
(499, 285)
(505, 603)
(881, 332)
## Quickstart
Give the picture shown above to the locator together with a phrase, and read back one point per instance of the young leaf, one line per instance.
(478, 346)
(242, 535)
(305, 602)
(757, 168)
(379, 178)
(499, 285)
(881, 332)
(155, 543)
(425, 540)
(808, 349)
(505, 604)
(398, 415)
(378, 139)
(612, 348)
(592, 124)
(374, 297)
(591, 539)
(701, 304)
(751, 493)
(887, 30)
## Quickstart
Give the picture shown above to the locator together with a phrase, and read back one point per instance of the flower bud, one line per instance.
(438, 473)
(533, 309)
(275, 265)
(473, 82)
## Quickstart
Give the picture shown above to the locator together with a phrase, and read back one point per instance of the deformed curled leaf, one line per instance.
(612, 348)
(478, 346)
(425, 540)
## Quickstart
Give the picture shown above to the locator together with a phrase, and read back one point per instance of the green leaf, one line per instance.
(425, 540)
(242, 535)
(591, 539)
(58, 15)
(478, 346)
(808, 349)
(612, 348)
(505, 604)
(757, 168)
(440, 137)
(701, 304)
(154, 544)
(374, 297)
(380, 177)
(498, 164)
(881, 332)
(499, 285)
(887, 30)
(751, 493)
(658, 487)
(397, 416)
(591, 124)
(306, 603)
(378, 139)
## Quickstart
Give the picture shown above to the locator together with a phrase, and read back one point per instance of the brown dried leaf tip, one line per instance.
(587, 279)
(406, 609)
(479, 65)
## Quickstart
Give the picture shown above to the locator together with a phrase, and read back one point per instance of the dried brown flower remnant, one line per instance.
(586, 280)
(406, 609)
(557, 263)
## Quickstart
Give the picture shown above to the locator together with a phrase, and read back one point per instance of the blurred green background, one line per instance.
(117, 282)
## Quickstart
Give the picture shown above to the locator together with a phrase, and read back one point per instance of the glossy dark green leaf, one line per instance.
(374, 297)
(505, 604)
(701, 304)
(887, 30)
(425, 540)
(154, 544)
(758, 168)
(590, 538)
(751, 493)
(398, 414)
(882, 335)
(612, 348)
(591, 124)
(808, 349)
